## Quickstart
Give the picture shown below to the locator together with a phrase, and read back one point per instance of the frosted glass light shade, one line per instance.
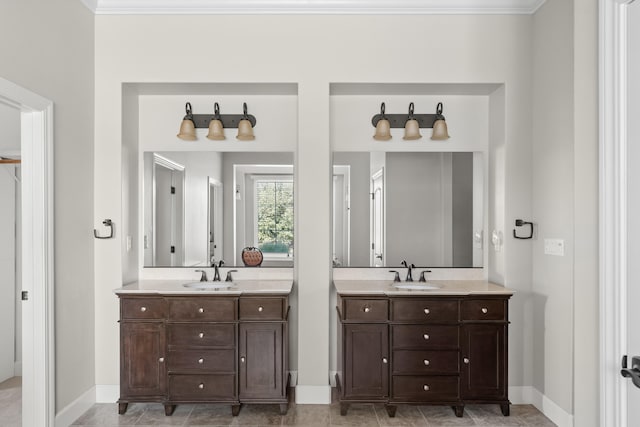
(216, 131)
(440, 131)
(187, 130)
(245, 131)
(411, 130)
(383, 130)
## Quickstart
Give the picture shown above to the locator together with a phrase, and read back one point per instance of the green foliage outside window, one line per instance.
(275, 215)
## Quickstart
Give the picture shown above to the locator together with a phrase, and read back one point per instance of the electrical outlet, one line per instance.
(554, 247)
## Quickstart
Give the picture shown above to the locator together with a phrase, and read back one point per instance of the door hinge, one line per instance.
(173, 190)
(373, 246)
(173, 249)
(373, 196)
(25, 295)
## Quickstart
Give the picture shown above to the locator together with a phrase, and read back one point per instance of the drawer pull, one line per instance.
(260, 308)
(425, 387)
(384, 360)
(201, 310)
(242, 359)
(466, 360)
(143, 309)
(426, 362)
(367, 309)
(201, 335)
(484, 310)
(426, 311)
(161, 359)
(201, 361)
(201, 386)
(425, 336)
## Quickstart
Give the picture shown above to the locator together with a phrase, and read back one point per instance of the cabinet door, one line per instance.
(366, 361)
(261, 360)
(484, 350)
(142, 365)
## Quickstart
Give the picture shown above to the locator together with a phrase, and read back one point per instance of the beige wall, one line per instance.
(48, 49)
(470, 49)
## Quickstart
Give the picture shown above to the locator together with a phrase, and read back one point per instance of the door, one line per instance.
(214, 223)
(8, 271)
(366, 361)
(633, 209)
(261, 361)
(483, 361)
(377, 219)
(168, 221)
(142, 372)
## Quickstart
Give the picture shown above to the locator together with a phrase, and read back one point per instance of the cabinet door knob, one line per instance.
(201, 335)
(426, 362)
(425, 336)
(201, 386)
(143, 309)
(201, 310)
(260, 308)
(466, 360)
(426, 311)
(484, 310)
(242, 359)
(425, 387)
(161, 359)
(367, 309)
(384, 360)
(201, 361)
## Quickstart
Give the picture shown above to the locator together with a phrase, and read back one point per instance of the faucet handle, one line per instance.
(422, 279)
(203, 277)
(396, 277)
(229, 278)
(221, 263)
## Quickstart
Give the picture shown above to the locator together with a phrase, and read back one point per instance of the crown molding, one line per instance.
(325, 7)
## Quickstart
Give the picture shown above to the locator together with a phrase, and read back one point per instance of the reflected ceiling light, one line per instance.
(245, 128)
(383, 127)
(188, 126)
(440, 131)
(216, 129)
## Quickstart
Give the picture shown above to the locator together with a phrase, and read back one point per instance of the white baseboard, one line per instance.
(17, 368)
(530, 395)
(71, 412)
(313, 394)
(108, 393)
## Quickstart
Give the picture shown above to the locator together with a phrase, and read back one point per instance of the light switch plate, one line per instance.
(554, 247)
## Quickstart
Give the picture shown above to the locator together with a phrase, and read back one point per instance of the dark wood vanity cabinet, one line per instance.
(447, 350)
(186, 349)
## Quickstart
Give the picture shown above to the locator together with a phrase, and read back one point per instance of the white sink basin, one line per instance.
(416, 286)
(209, 285)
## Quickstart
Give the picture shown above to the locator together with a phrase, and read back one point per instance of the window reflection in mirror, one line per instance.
(423, 207)
(225, 202)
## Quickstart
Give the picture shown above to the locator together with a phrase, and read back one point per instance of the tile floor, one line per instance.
(311, 416)
(11, 402)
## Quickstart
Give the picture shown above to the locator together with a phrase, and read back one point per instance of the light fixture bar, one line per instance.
(228, 120)
(399, 120)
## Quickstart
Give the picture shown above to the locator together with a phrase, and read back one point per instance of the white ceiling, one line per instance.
(397, 7)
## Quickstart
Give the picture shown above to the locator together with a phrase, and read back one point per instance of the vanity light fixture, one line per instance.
(411, 123)
(216, 123)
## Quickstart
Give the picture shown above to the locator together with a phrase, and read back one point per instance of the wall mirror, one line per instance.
(204, 207)
(423, 207)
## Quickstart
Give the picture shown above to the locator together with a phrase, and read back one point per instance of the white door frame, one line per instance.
(38, 382)
(613, 208)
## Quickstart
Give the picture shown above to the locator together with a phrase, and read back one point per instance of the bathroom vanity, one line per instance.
(187, 345)
(444, 346)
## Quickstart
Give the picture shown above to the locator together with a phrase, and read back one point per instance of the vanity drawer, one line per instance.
(262, 308)
(425, 362)
(142, 308)
(195, 388)
(424, 336)
(362, 309)
(201, 334)
(202, 360)
(424, 310)
(484, 309)
(203, 308)
(425, 388)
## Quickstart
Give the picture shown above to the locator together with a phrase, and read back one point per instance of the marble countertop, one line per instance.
(175, 287)
(445, 287)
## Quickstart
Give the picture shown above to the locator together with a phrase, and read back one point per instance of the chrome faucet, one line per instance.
(216, 271)
(203, 277)
(409, 268)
